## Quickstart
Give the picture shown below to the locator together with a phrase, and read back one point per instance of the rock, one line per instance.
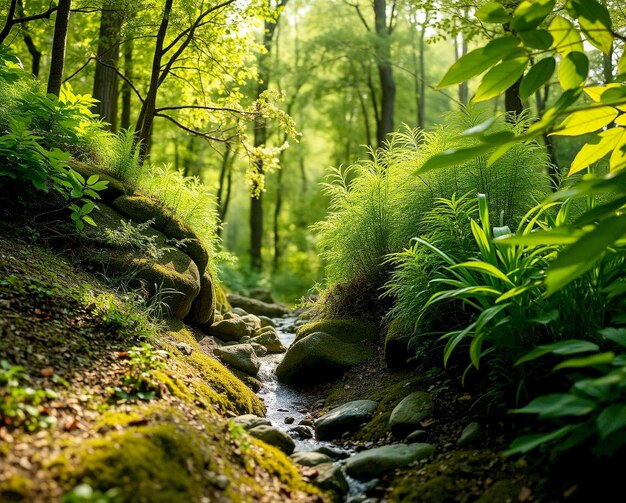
(408, 414)
(241, 357)
(249, 421)
(332, 452)
(470, 434)
(221, 482)
(266, 322)
(416, 436)
(230, 330)
(115, 187)
(349, 331)
(262, 294)
(396, 345)
(253, 322)
(375, 462)
(310, 458)
(330, 478)
(345, 418)
(257, 307)
(239, 312)
(301, 432)
(318, 358)
(289, 420)
(271, 342)
(230, 315)
(202, 310)
(265, 330)
(275, 437)
(252, 382)
(258, 349)
(307, 422)
(245, 338)
(185, 348)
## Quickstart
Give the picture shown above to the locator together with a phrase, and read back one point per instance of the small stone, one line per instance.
(301, 432)
(245, 338)
(471, 433)
(266, 322)
(249, 421)
(239, 312)
(275, 437)
(344, 420)
(310, 458)
(306, 422)
(416, 436)
(289, 420)
(184, 348)
(221, 482)
(410, 412)
(332, 452)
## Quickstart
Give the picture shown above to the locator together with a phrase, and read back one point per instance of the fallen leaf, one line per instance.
(524, 494)
(71, 424)
(122, 354)
(464, 398)
(427, 422)
(47, 372)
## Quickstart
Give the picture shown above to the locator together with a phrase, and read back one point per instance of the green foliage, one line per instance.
(84, 493)
(140, 380)
(21, 405)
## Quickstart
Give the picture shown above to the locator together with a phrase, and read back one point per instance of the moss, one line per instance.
(350, 331)
(437, 490)
(114, 419)
(396, 345)
(16, 488)
(221, 300)
(503, 491)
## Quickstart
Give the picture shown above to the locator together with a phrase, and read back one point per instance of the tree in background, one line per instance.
(57, 63)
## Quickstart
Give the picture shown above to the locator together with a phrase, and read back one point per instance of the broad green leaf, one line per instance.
(595, 149)
(493, 12)
(586, 121)
(479, 129)
(454, 156)
(621, 65)
(573, 70)
(500, 78)
(568, 347)
(565, 35)
(611, 419)
(530, 14)
(558, 405)
(595, 22)
(580, 257)
(557, 236)
(596, 92)
(486, 268)
(477, 61)
(587, 361)
(537, 39)
(617, 335)
(618, 157)
(92, 179)
(529, 442)
(539, 74)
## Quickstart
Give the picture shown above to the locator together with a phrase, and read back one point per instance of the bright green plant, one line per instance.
(140, 380)
(21, 405)
(84, 493)
(593, 411)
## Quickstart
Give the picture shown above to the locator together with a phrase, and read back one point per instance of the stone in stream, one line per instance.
(239, 312)
(310, 458)
(318, 358)
(270, 341)
(408, 414)
(301, 432)
(332, 452)
(241, 357)
(416, 436)
(330, 477)
(471, 433)
(253, 322)
(258, 349)
(375, 462)
(230, 330)
(344, 419)
(275, 437)
(307, 422)
(289, 420)
(249, 421)
(266, 322)
(257, 307)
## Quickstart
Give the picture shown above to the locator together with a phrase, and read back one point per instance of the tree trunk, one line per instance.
(127, 92)
(105, 85)
(57, 62)
(421, 107)
(277, 208)
(6, 29)
(512, 101)
(385, 72)
(33, 50)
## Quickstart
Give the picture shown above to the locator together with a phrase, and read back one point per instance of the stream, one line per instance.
(282, 401)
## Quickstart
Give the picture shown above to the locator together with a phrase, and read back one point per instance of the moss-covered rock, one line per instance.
(241, 357)
(115, 188)
(350, 331)
(221, 300)
(396, 345)
(318, 358)
(202, 310)
(257, 307)
(16, 488)
(440, 489)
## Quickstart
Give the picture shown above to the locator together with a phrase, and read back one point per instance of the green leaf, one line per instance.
(537, 39)
(500, 78)
(454, 157)
(595, 22)
(484, 267)
(537, 76)
(587, 361)
(611, 419)
(531, 13)
(529, 442)
(621, 65)
(558, 405)
(568, 347)
(573, 70)
(493, 12)
(565, 35)
(586, 121)
(556, 236)
(580, 257)
(477, 61)
(595, 149)
(617, 335)
(92, 179)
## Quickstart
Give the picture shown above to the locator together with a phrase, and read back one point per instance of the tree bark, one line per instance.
(105, 86)
(127, 92)
(385, 72)
(59, 41)
(33, 50)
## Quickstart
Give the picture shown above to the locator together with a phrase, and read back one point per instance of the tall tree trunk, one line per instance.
(105, 84)
(8, 24)
(59, 41)
(33, 50)
(460, 50)
(277, 208)
(127, 92)
(385, 72)
(421, 107)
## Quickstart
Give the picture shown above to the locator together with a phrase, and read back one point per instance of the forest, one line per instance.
(359, 251)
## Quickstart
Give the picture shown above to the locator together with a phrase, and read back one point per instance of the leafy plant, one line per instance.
(22, 405)
(84, 493)
(140, 380)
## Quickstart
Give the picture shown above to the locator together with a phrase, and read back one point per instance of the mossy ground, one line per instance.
(72, 333)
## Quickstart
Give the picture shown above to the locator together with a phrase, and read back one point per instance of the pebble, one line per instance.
(289, 420)
(221, 482)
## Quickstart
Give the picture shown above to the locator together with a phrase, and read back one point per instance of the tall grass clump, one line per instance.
(379, 204)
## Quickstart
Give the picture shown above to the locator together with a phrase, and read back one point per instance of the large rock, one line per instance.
(241, 357)
(345, 418)
(350, 331)
(262, 294)
(330, 478)
(275, 437)
(318, 358)
(407, 415)
(115, 187)
(266, 322)
(203, 307)
(310, 458)
(373, 463)
(249, 421)
(253, 322)
(257, 307)
(230, 330)
(396, 346)
(270, 341)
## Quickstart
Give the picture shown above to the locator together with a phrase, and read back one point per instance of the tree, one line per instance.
(57, 63)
